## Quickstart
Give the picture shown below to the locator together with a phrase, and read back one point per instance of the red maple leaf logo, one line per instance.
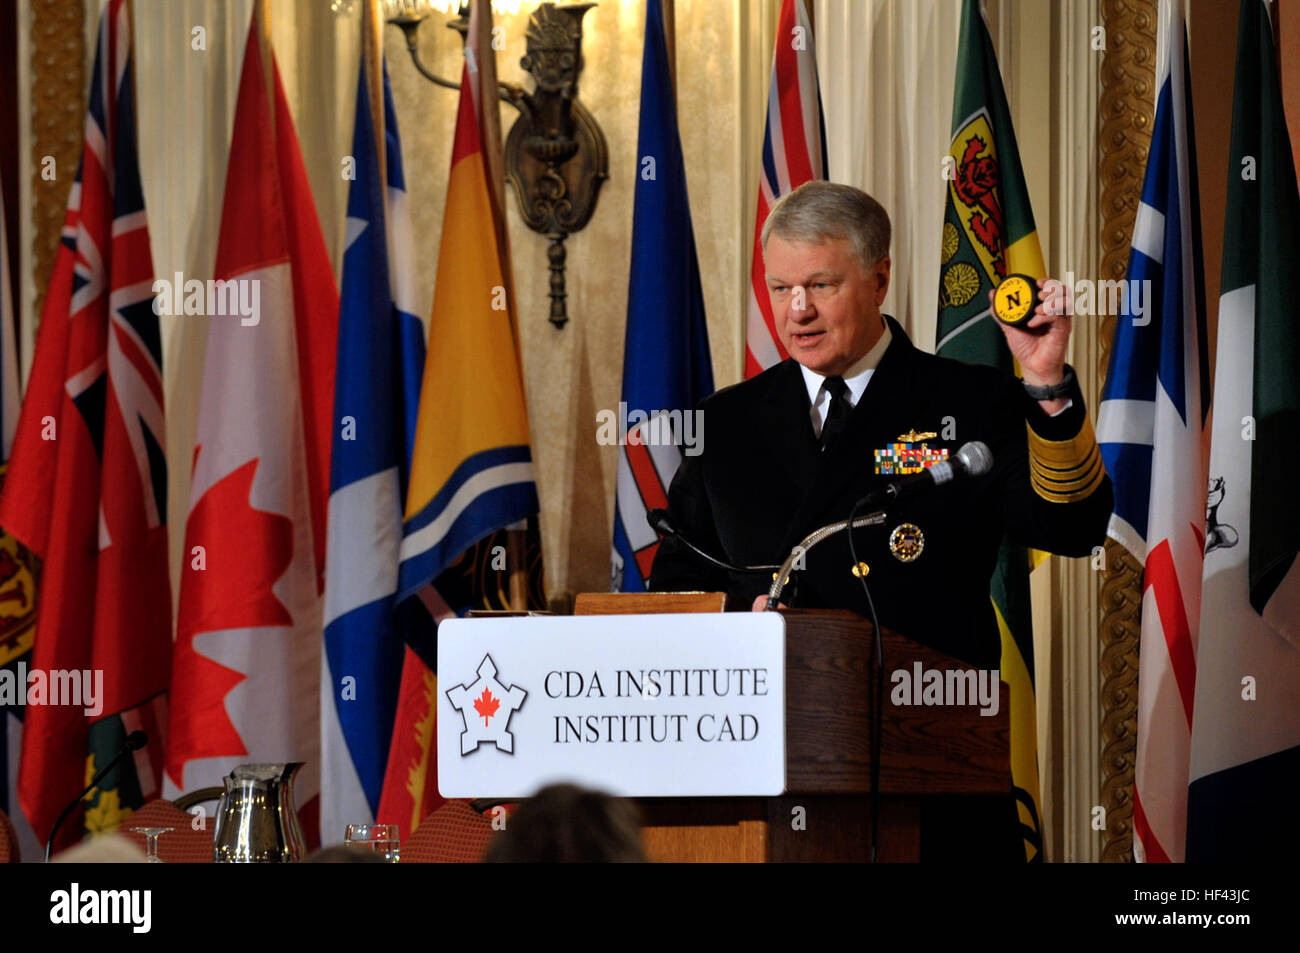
(246, 551)
(486, 705)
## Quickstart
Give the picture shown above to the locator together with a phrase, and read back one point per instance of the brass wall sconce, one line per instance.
(555, 153)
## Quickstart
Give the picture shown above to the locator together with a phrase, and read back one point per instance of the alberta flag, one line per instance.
(376, 394)
(1245, 760)
(666, 363)
(1150, 427)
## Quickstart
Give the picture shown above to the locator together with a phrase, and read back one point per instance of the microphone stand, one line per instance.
(876, 687)
(811, 540)
(875, 699)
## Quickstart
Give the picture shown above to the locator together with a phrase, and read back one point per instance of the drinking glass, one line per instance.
(151, 835)
(381, 838)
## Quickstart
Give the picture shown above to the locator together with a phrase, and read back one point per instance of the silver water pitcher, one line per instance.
(257, 822)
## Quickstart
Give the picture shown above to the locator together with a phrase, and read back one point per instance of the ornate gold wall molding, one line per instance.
(58, 121)
(1127, 112)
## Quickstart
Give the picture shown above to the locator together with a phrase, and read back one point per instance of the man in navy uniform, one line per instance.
(855, 406)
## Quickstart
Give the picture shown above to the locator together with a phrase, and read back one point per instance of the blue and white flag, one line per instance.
(1151, 427)
(666, 365)
(380, 364)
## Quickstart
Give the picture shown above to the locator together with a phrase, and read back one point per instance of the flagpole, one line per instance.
(670, 38)
(262, 12)
(372, 51)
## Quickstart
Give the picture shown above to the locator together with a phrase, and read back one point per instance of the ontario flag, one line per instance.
(86, 489)
(248, 640)
(794, 152)
(666, 365)
(1245, 761)
(471, 472)
(1150, 426)
(988, 233)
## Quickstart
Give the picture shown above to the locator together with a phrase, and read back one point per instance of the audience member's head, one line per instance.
(562, 823)
(102, 849)
(345, 854)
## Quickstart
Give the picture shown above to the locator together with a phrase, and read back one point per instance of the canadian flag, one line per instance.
(246, 666)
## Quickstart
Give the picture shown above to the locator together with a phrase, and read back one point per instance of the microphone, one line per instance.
(972, 460)
(662, 524)
(134, 742)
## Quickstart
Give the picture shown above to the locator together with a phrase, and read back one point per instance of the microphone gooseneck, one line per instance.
(134, 742)
(662, 524)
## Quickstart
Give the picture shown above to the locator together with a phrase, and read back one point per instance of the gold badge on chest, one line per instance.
(907, 542)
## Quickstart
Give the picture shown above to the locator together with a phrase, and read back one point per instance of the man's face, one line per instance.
(826, 305)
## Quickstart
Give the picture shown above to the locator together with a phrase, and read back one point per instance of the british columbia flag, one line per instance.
(1150, 426)
(794, 152)
(86, 489)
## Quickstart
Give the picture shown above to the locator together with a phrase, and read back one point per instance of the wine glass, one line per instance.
(381, 838)
(151, 835)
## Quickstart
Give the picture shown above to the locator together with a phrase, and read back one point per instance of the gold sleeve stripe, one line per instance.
(1065, 471)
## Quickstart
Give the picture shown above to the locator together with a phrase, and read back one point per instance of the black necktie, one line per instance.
(837, 416)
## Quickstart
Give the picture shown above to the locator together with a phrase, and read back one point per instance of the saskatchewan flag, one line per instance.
(988, 232)
(1245, 759)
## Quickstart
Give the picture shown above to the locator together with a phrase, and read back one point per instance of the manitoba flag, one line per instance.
(248, 640)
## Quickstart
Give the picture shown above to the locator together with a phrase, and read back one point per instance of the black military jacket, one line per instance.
(762, 483)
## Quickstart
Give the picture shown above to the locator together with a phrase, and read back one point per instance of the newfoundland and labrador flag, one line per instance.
(794, 152)
(246, 671)
(86, 489)
(1151, 425)
(376, 390)
(1245, 761)
(989, 232)
(666, 365)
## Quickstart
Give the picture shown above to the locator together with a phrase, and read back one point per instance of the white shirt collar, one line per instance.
(857, 376)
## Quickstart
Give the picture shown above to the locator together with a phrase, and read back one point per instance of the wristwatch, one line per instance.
(1053, 391)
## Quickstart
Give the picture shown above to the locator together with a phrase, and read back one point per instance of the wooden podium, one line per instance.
(825, 814)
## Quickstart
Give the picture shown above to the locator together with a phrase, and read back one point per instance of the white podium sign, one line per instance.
(688, 705)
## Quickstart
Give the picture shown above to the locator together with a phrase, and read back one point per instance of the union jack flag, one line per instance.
(87, 484)
(794, 152)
